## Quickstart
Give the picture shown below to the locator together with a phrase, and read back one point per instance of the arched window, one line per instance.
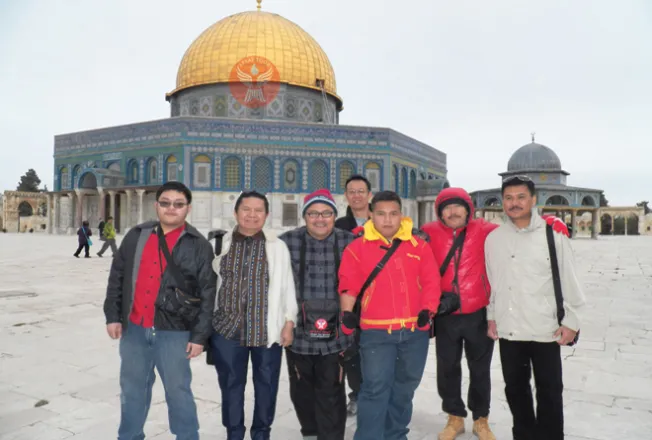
(133, 171)
(172, 169)
(557, 201)
(232, 173)
(202, 171)
(372, 172)
(403, 187)
(63, 177)
(318, 176)
(588, 201)
(413, 184)
(76, 171)
(346, 170)
(395, 179)
(492, 201)
(152, 171)
(262, 174)
(291, 177)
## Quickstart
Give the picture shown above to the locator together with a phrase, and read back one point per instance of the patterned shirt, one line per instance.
(320, 282)
(242, 300)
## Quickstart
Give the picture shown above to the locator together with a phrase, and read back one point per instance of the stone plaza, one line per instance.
(59, 369)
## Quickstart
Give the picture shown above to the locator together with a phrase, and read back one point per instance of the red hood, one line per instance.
(455, 193)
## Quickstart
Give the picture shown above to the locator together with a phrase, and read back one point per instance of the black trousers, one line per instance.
(468, 332)
(518, 359)
(318, 394)
(353, 376)
(85, 247)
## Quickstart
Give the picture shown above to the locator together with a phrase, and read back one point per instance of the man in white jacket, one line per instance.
(522, 312)
(255, 312)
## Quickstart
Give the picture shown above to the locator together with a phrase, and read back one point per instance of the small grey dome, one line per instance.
(534, 157)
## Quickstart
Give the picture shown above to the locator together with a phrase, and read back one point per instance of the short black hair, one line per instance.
(518, 180)
(251, 194)
(359, 177)
(385, 196)
(175, 186)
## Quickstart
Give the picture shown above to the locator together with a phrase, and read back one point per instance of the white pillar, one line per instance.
(112, 204)
(100, 194)
(141, 217)
(55, 213)
(128, 220)
(79, 212)
(49, 213)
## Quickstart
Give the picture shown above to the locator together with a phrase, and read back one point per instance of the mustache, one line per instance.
(516, 208)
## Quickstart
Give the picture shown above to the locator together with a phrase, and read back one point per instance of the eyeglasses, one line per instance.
(520, 177)
(176, 204)
(315, 214)
(360, 192)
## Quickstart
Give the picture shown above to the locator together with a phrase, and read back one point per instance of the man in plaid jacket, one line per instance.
(314, 361)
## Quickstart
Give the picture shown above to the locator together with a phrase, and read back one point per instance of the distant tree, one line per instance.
(603, 200)
(29, 182)
(643, 205)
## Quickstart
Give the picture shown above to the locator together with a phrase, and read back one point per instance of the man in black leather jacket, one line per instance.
(159, 303)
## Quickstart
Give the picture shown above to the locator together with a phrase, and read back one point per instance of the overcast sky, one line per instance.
(471, 78)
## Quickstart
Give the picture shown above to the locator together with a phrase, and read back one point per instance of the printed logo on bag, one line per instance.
(321, 324)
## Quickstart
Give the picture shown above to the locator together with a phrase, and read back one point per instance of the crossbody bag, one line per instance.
(556, 281)
(319, 316)
(180, 303)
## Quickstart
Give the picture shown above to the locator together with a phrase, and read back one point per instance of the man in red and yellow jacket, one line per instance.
(396, 308)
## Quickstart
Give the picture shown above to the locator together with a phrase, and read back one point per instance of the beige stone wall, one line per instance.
(10, 213)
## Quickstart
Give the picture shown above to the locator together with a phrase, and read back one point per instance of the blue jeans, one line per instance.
(142, 349)
(232, 363)
(392, 367)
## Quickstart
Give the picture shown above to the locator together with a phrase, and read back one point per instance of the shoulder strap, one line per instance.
(556, 279)
(171, 265)
(302, 262)
(374, 273)
(456, 244)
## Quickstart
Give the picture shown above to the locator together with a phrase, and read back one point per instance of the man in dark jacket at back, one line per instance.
(358, 193)
(159, 303)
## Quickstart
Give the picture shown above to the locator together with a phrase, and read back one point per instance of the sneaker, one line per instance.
(481, 429)
(453, 428)
(352, 408)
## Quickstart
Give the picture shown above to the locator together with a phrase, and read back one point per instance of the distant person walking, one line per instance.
(100, 229)
(85, 242)
(109, 238)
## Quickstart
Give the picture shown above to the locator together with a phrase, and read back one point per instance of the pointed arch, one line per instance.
(262, 174)
(318, 175)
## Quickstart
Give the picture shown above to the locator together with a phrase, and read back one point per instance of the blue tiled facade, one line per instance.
(210, 154)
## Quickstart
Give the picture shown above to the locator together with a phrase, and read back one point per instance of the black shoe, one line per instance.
(352, 408)
(99, 255)
(75, 255)
(86, 256)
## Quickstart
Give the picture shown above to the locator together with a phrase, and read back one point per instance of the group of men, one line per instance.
(361, 297)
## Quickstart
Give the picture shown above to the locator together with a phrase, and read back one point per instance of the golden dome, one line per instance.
(299, 59)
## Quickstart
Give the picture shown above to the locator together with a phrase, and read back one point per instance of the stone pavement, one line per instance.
(59, 369)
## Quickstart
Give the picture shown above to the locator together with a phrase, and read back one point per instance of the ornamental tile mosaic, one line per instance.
(206, 106)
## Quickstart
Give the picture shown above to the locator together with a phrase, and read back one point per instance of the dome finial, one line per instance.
(259, 3)
(532, 134)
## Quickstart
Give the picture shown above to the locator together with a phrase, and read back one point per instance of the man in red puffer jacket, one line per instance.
(465, 276)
